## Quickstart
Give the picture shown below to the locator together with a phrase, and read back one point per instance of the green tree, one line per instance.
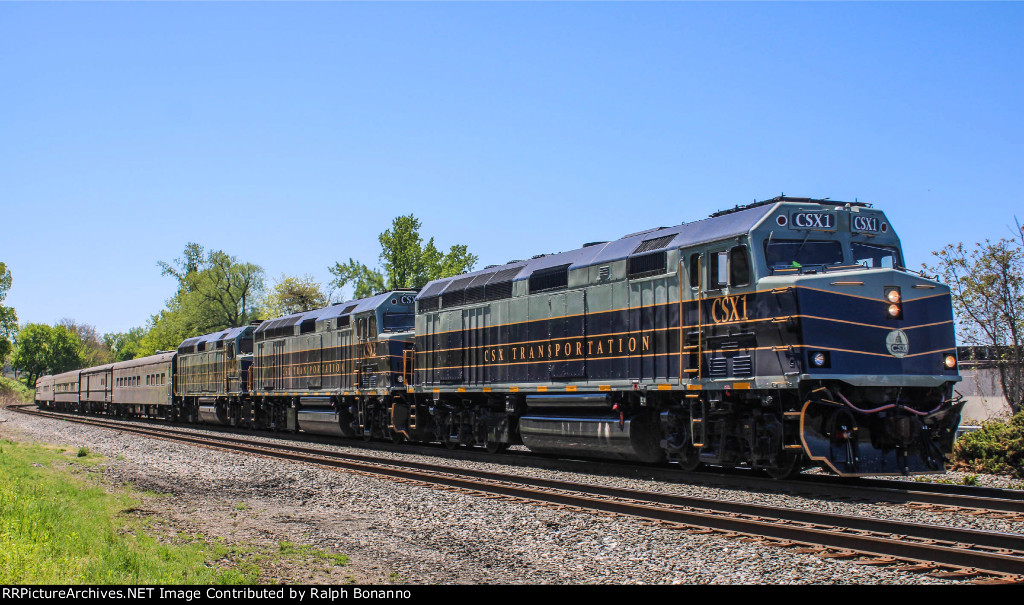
(406, 261)
(8, 318)
(185, 268)
(294, 295)
(92, 351)
(987, 286)
(215, 291)
(124, 345)
(365, 281)
(41, 349)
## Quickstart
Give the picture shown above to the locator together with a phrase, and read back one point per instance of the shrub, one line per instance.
(997, 448)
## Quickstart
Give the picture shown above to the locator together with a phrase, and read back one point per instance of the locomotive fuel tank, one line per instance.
(596, 436)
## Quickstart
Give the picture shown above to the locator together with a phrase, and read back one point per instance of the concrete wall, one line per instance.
(980, 386)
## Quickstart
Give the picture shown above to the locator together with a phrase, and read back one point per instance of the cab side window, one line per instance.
(718, 272)
(695, 270)
(739, 266)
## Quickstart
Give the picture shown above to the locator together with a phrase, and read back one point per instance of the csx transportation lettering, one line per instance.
(814, 220)
(729, 308)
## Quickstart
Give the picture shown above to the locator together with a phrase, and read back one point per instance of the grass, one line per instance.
(15, 392)
(289, 548)
(58, 525)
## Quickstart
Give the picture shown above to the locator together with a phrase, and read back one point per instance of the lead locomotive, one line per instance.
(776, 336)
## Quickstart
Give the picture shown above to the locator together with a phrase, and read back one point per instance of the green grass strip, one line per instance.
(59, 526)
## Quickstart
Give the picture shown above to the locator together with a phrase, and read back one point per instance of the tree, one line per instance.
(294, 295)
(364, 280)
(8, 318)
(124, 345)
(92, 351)
(215, 291)
(41, 349)
(405, 260)
(185, 267)
(987, 286)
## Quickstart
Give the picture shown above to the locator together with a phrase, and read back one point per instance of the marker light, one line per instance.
(950, 361)
(818, 359)
(894, 310)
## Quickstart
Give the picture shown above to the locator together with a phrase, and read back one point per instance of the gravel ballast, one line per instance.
(401, 533)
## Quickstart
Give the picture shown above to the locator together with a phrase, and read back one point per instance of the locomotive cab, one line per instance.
(861, 351)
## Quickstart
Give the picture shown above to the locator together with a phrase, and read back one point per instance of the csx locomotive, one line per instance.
(777, 336)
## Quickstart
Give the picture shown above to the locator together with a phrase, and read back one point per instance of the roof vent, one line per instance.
(653, 244)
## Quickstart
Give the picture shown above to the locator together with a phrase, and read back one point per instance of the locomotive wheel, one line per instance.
(689, 459)
(494, 447)
(450, 443)
(789, 467)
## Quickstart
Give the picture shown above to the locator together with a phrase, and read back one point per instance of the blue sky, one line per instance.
(289, 135)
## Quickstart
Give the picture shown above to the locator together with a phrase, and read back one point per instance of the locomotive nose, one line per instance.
(876, 326)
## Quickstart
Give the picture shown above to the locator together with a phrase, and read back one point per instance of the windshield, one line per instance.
(875, 256)
(794, 254)
(398, 322)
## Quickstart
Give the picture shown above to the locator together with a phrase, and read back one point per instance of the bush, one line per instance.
(996, 448)
(14, 392)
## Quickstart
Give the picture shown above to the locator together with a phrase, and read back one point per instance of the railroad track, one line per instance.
(937, 550)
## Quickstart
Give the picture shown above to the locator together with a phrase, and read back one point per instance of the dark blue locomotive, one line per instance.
(781, 335)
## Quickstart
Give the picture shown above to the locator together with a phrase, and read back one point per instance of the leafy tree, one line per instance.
(41, 349)
(294, 295)
(184, 268)
(215, 291)
(987, 285)
(364, 280)
(406, 261)
(92, 350)
(124, 345)
(8, 318)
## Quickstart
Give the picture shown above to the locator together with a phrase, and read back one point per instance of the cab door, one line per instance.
(727, 339)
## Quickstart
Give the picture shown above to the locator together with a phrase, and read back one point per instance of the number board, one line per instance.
(865, 224)
(813, 220)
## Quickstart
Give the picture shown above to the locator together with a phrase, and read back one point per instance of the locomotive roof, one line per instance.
(336, 310)
(734, 223)
(228, 334)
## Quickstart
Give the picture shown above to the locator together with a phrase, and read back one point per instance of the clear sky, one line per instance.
(289, 135)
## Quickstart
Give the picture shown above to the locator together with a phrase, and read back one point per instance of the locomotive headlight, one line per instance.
(400, 379)
(892, 294)
(950, 361)
(818, 359)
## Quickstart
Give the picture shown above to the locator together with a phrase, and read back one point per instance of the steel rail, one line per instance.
(990, 551)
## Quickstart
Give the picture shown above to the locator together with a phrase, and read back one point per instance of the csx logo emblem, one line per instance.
(407, 300)
(865, 223)
(729, 308)
(814, 220)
